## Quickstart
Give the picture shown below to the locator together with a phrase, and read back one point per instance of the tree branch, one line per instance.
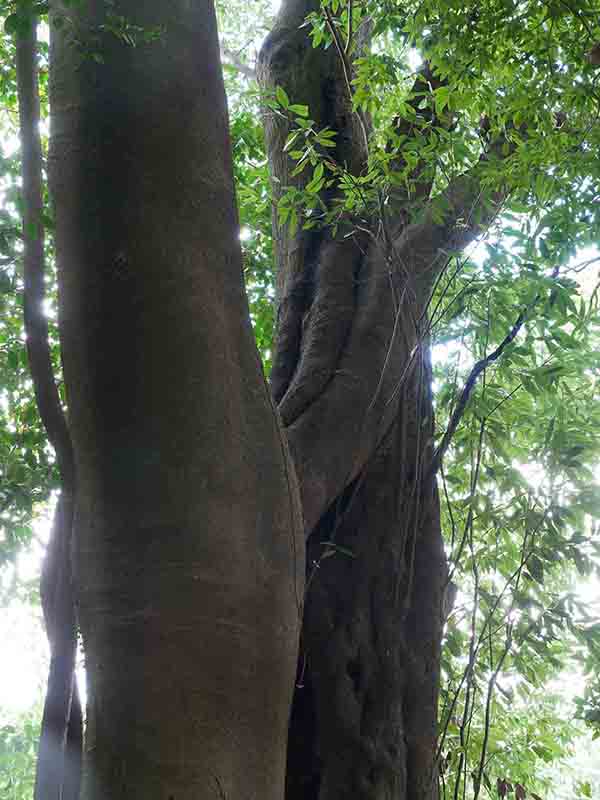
(465, 395)
(424, 247)
(58, 737)
(36, 325)
(233, 60)
(425, 83)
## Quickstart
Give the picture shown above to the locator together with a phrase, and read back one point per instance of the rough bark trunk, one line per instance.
(352, 379)
(370, 645)
(188, 566)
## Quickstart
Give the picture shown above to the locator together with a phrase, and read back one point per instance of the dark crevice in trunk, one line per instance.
(303, 776)
(293, 304)
(73, 749)
(325, 325)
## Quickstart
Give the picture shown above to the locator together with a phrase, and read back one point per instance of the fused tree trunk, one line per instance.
(188, 567)
(352, 379)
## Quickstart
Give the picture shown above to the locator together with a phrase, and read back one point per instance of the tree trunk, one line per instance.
(188, 567)
(352, 379)
(59, 751)
(364, 721)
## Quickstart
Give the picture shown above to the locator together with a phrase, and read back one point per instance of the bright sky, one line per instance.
(24, 663)
(24, 660)
(25, 651)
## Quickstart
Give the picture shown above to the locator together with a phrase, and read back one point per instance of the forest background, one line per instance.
(520, 479)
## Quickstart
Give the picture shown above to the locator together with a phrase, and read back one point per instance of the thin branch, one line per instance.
(416, 493)
(233, 60)
(470, 516)
(349, 33)
(449, 508)
(54, 777)
(463, 400)
(422, 119)
(426, 245)
(525, 556)
(36, 324)
(470, 690)
(515, 575)
(433, 315)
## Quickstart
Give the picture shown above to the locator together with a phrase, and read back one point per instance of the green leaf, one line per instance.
(282, 97)
(301, 111)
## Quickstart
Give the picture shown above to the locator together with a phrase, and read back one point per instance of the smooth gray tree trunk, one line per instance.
(188, 564)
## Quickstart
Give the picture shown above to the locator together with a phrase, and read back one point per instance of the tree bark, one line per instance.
(59, 751)
(352, 379)
(370, 645)
(188, 564)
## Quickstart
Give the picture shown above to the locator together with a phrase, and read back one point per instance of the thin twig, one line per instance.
(349, 34)
(506, 650)
(233, 60)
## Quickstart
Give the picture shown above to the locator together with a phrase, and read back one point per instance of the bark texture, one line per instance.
(352, 379)
(188, 563)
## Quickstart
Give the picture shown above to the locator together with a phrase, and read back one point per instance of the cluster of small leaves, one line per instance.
(255, 210)
(122, 28)
(18, 15)
(527, 732)
(242, 29)
(520, 67)
(308, 146)
(519, 481)
(327, 192)
(27, 471)
(18, 749)
(89, 42)
(588, 708)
